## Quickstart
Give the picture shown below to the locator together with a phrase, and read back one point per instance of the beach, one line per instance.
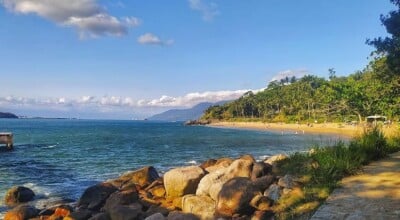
(322, 128)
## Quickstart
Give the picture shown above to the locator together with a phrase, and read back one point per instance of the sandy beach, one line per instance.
(323, 128)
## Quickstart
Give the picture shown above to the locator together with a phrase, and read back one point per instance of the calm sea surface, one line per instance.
(60, 158)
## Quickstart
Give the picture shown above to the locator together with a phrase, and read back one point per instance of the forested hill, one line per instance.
(7, 115)
(373, 91)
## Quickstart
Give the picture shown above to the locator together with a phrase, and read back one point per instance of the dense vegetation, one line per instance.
(320, 169)
(374, 90)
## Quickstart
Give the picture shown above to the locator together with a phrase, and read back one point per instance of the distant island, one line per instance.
(7, 115)
(184, 114)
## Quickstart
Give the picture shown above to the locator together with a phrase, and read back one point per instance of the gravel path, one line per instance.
(373, 195)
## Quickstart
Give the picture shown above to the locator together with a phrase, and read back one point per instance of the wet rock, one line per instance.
(260, 169)
(21, 212)
(176, 215)
(273, 192)
(182, 181)
(235, 196)
(95, 196)
(201, 206)
(17, 195)
(156, 216)
(121, 198)
(286, 181)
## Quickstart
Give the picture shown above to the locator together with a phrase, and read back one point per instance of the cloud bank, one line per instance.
(86, 16)
(164, 101)
(208, 9)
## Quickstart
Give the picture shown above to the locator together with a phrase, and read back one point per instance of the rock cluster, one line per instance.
(217, 189)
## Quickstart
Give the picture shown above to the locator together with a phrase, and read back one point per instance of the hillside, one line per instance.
(7, 115)
(184, 114)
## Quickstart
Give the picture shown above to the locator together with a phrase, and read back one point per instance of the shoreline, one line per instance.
(323, 128)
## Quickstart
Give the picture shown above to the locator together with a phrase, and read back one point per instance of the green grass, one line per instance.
(320, 170)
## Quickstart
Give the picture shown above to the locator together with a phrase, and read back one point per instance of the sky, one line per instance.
(131, 59)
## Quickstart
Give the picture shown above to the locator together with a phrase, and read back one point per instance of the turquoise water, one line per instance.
(60, 158)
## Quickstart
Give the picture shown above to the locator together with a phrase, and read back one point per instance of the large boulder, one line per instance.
(208, 163)
(240, 168)
(21, 212)
(95, 196)
(17, 195)
(201, 206)
(264, 182)
(213, 181)
(183, 180)
(141, 177)
(260, 169)
(235, 196)
(121, 198)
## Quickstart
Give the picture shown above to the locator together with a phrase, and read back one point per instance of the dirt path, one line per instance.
(373, 195)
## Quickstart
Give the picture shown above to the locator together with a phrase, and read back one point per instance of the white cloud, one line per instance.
(290, 73)
(87, 16)
(151, 39)
(208, 9)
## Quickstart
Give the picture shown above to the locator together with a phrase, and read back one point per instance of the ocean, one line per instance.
(60, 158)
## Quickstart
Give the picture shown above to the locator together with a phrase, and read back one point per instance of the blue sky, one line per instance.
(128, 59)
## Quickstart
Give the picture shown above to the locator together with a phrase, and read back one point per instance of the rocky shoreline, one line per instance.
(222, 188)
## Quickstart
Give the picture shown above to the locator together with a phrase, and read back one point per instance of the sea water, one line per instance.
(60, 158)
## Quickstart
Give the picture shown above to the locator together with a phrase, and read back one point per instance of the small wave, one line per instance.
(50, 146)
(191, 162)
(263, 157)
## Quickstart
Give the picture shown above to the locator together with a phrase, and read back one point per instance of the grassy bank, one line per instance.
(320, 170)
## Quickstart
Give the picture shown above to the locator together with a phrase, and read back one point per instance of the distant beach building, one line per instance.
(375, 119)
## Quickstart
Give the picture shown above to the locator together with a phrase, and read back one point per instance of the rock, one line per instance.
(260, 169)
(157, 209)
(21, 212)
(17, 195)
(182, 181)
(240, 168)
(101, 216)
(264, 182)
(121, 198)
(213, 181)
(218, 167)
(125, 213)
(208, 163)
(275, 159)
(79, 215)
(235, 196)
(286, 181)
(156, 216)
(262, 203)
(273, 192)
(158, 191)
(142, 177)
(95, 196)
(201, 206)
(262, 215)
(62, 211)
(176, 215)
(248, 157)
